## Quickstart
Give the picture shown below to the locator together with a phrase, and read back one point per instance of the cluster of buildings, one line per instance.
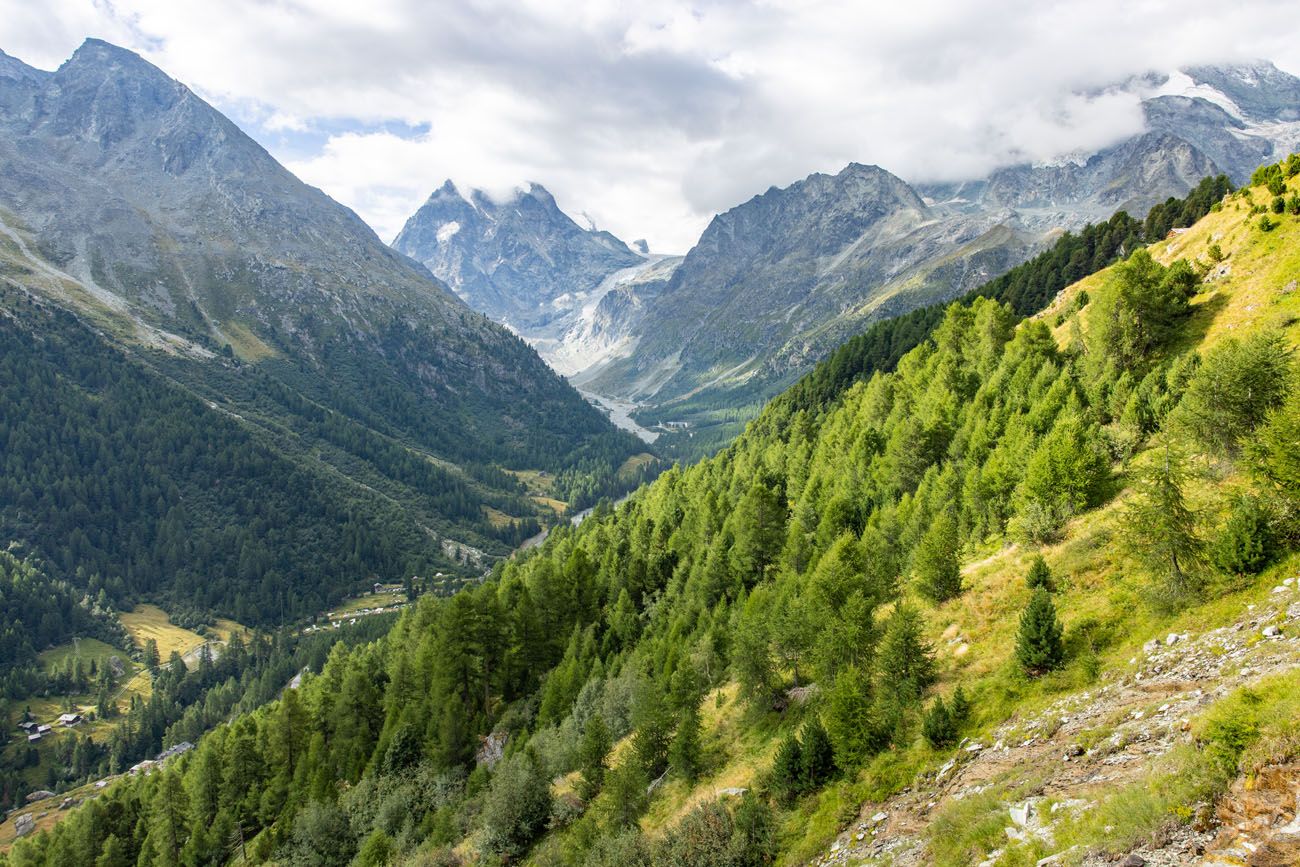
(35, 731)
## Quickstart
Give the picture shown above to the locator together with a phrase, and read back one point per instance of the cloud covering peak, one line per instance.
(652, 118)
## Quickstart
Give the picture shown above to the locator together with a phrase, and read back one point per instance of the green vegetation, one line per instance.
(806, 569)
(1038, 644)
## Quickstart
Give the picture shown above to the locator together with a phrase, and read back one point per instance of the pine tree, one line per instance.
(906, 660)
(1038, 644)
(592, 753)
(938, 725)
(1161, 529)
(937, 566)
(816, 756)
(684, 758)
(1039, 575)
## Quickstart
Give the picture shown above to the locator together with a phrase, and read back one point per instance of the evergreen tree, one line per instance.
(816, 756)
(906, 660)
(684, 756)
(1161, 529)
(114, 853)
(592, 753)
(786, 768)
(1275, 458)
(1245, 543)
(753, 838)
(938, 726)
(626, 786)
(960, 707)
(1064, 476)
(855, 731)
(1039, 575)
(167, 828)
(1234, 389)
(759, 523)
(1038, 643)
(938, 570)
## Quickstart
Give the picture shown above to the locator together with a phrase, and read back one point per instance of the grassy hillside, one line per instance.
(755, 658)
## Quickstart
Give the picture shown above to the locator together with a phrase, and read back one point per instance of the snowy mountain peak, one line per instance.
(517, 258)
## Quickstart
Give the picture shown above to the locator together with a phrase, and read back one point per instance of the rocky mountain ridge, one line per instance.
(776, 282)
(200, 268)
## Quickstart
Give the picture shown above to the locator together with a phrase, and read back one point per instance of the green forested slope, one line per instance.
(797, 581)
(1027, 288)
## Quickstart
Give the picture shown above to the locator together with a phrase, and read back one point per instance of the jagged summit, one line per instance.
(512, 258)
(1261, 90)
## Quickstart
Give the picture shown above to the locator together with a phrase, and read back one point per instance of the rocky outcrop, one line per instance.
(757, 294)
(1146, 708)
(521, 260)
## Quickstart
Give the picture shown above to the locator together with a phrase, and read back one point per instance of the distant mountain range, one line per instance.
(776, 282)
(192, 256)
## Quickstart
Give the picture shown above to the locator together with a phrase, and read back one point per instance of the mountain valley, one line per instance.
(950, 522)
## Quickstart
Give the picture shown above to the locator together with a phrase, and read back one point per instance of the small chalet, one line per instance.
(30, 727)
(69, 719)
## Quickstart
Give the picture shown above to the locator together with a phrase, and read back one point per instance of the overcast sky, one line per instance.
(650, 117)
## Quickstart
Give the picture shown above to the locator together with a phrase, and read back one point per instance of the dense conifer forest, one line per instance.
(541, 713)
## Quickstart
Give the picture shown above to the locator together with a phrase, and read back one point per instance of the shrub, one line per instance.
(1245, 544)
(938, 726)
(517, 806)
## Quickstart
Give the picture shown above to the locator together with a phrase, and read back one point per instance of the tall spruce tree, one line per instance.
(592, 755)
(937, 566)
(1161, 528)
(1038, 644)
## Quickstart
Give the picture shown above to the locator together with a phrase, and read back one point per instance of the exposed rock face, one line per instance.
(1147, 708)
(1131, 176)
(775, 282)
(152, 214)
(518, 260)
(526, 263)
(1260, 90)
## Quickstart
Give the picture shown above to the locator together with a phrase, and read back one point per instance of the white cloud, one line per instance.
(651, 117)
